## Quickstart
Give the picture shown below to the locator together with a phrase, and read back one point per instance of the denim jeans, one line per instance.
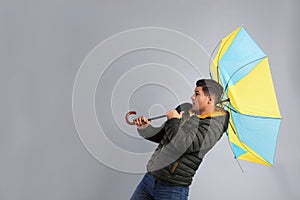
(152, 189)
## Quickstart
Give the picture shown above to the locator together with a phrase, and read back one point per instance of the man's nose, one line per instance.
(193, 97)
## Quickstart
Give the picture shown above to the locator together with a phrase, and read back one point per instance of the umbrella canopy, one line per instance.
(242, 68)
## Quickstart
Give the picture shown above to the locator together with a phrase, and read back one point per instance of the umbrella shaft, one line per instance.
(158, 117)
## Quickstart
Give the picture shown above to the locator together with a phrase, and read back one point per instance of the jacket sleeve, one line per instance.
(154, 134)
(193, 134)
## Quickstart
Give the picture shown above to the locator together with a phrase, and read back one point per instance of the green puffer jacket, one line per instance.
(182, 145)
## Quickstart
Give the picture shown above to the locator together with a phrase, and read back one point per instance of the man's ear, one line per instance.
(210, 99)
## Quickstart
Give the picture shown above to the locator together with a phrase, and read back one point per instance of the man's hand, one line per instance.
(174, 114)
(141, 122)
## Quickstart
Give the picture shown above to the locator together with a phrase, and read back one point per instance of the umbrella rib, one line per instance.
(221, 50)
(210, 60)
(245, 147)
(227, 84)
(254, 116)
(252, 153)
(231, 148)
(211, 55)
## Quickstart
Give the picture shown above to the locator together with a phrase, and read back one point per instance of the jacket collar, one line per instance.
(218, 112)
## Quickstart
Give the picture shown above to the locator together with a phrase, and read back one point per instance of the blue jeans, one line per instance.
(152, 189)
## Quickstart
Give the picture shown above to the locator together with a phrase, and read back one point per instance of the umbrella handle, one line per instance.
(134, 113)
(127, 117)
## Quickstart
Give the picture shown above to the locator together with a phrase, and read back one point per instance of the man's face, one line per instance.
(200, 100)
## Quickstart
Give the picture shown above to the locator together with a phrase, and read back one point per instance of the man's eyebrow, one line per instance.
(197, 91)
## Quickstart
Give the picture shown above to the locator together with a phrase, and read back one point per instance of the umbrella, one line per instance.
(242, 68)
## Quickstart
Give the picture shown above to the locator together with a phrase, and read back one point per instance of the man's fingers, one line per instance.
(174, 114)
(145, 120)
(140, 121)
(181, 113)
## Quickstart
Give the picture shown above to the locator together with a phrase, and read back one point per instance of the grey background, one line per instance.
(43, 44)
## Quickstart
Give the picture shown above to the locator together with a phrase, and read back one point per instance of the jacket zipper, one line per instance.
(174, 167)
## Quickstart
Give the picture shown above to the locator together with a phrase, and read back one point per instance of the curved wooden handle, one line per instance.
(127, 117)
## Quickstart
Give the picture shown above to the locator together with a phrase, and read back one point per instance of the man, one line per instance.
(183, 140)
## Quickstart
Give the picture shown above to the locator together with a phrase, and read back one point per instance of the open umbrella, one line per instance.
(242, 68)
